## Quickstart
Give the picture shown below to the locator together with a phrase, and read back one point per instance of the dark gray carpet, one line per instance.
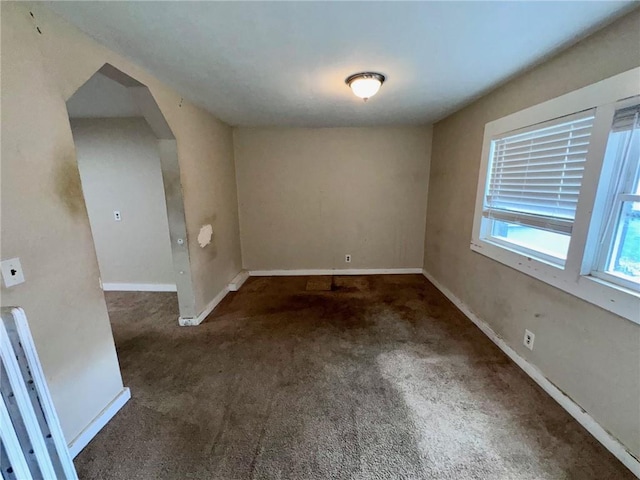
(378, 378)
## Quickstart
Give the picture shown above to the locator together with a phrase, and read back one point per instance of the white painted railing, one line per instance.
(32, 444)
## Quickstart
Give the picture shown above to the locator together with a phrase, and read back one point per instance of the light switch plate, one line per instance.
(12, 272)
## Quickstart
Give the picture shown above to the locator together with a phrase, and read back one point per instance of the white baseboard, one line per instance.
(583, 418)
(238, 281)
(91, 430)
(139, 287)
(356, 271)
(192, 322)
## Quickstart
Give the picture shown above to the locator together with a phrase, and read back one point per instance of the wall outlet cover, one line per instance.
(528, 339)
(12, 272)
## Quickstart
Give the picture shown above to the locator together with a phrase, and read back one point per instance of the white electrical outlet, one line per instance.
(347, 258)
(12, 272)
(116, 216)
(528, 339)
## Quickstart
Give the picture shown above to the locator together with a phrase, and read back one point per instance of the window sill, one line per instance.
(612, 286)
(610, 297)
(524, 252)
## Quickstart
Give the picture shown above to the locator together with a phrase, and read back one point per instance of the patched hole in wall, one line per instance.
(205, 235)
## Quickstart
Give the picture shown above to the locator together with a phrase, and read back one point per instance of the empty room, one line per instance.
(320, 240)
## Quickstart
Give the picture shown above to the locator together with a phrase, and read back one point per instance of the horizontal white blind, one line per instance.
(626, 119)
(535, 174)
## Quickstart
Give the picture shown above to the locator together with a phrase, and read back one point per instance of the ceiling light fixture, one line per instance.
(366, 84)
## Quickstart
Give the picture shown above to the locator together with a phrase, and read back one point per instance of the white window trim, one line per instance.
(575, 277)
(608, 200)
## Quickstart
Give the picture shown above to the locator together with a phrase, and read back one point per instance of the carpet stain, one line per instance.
(320, 283)
(380, 377)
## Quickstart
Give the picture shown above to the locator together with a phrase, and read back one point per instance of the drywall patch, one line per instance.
(204, 237)
(211, 251)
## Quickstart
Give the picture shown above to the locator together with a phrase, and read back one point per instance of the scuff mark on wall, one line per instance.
(172, 185)
(204, 237)
(33, 17)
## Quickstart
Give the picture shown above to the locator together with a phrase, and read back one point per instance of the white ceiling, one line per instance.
(284, 63)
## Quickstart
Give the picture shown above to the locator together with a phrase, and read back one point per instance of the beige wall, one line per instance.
(119, 167)
(44, 219)
(590, 354)
(310, 196)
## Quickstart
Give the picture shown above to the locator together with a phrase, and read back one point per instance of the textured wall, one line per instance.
(44, 219)
(592, 355)
(310, 196)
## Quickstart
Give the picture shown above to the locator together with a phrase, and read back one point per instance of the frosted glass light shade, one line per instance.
(365, 85)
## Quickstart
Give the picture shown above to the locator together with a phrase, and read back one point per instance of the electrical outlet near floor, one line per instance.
(528, 339)
(347, 258)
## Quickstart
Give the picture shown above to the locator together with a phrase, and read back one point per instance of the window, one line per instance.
(533, 185)
(559, 193)
(618, 258)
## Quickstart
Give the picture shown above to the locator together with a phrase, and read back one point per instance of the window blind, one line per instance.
(535, 174)
(626, 119)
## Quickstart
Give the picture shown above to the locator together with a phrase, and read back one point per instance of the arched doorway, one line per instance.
(110, 93)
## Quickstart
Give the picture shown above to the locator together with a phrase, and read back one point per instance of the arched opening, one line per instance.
(128, 162)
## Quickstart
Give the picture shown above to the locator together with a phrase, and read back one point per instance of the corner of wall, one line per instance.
(234, 136)
(429, 133)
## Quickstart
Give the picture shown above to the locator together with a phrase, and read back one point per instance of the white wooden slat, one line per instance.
(535, 198)
(560, 157)
(515, 200)
(532, 171)
(546, 223)
(580, 140)
(533, 145)
(553, 169)
(534, 183)
(24, 404)
(540, 138)
(51, 416)
(563, 158)
(559, 213)
(12, 445)
(6, 390)
(558, 126)
(566, 189)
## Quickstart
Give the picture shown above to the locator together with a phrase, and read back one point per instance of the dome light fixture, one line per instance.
(366, 84)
